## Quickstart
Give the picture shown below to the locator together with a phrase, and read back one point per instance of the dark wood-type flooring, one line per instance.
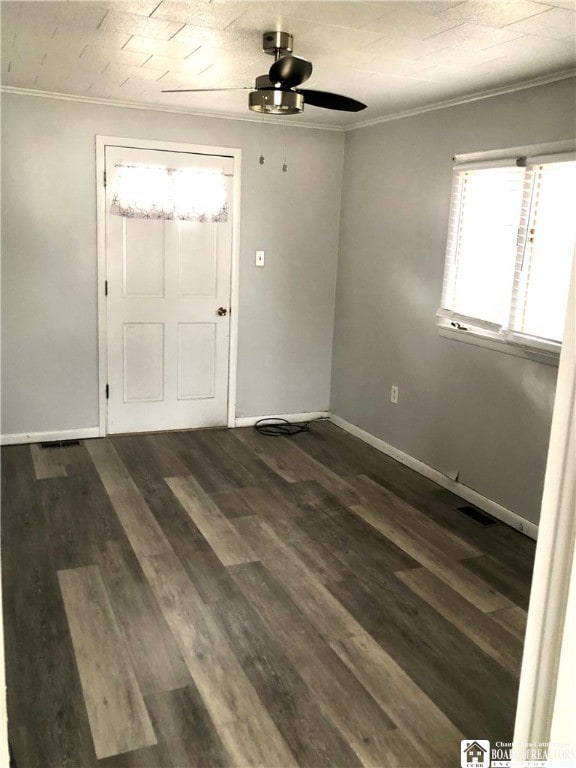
(220, 598)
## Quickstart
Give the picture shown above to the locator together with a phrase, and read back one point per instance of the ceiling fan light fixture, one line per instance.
(276, 102)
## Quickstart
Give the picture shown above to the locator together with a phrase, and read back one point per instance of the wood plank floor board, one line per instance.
(186, 733)
(271, 550)
(335, 645)
(78, 540)
(154, 654)
(229, 697)
(448, 667)
(501, 576)
(307, 591)
(234, 473)
(480, 627)
(45, 702)
(311, 737)
(147, 757)
(452, 572)
(231, 504)
(309, 496)
(284, 462)
(227, 440)
(330, 481)
(435, 737)
(294, 465)
(513, 619)
(211, 579)
(361, 548)
(140, 525)
(210, 476)
(44, 691)
(21, 508)
(22, 743)
(409, 518)
(282, 519)
(347, 703)
(118, 717)
(373, 462)
(47, 462)
(148, 457)
(316, 557)
(213, 525)
(269, 503)
(169, 513)
(318, 444)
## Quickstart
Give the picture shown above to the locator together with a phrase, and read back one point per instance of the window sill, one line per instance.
(479, 339)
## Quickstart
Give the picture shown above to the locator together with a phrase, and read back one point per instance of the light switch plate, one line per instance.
(259, 258)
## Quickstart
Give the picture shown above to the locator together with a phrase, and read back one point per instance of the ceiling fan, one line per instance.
(277, 93)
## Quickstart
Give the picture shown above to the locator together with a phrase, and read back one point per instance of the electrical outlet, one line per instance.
(394, 394)
(259, 258)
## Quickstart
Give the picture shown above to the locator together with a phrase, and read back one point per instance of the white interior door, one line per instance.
(168, 288)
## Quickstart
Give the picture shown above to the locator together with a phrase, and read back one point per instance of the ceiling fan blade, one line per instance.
(290, 71)
(205, 90)
(328, 100)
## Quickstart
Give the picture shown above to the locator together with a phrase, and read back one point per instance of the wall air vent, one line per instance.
(478, 516)
(60, 443)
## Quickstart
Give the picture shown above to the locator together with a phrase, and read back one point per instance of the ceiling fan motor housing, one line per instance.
(276, 102)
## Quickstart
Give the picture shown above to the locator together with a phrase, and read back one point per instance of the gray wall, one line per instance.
(461, 408)
(49, 312)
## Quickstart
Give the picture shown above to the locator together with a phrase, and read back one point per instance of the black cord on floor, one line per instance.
(280, 427)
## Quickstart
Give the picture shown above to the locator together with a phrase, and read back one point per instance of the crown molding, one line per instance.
(478, 96)
(467, 99)
(155, 107)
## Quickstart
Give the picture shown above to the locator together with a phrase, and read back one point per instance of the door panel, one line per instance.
(143, 257)
(167, 346)
(198, 259)
(143, 352)
(196, 360)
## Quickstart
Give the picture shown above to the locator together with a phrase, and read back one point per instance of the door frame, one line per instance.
(543, 696)
(200, 149)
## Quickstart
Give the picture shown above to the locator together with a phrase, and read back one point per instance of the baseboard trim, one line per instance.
(469, 494)
(249, 421)
(46, 437)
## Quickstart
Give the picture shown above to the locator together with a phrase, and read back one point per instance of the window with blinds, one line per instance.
(511, 239)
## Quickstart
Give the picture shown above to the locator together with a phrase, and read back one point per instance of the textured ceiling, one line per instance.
(394, 56)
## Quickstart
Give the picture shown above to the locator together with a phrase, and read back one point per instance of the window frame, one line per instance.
(455, 326)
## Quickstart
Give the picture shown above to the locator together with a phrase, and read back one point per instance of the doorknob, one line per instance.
(222, 311)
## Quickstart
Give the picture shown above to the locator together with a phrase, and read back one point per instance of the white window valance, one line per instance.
(142, 192)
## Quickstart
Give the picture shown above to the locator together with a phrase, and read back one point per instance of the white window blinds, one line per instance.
(546, 246)
(511, 239)
(481, 248)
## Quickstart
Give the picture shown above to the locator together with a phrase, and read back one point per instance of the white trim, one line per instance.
(101, 258)
(478, 96)
(157, 108)
(170, 146)
(551, 159)
(46, 437)
(234, 290)
(492, 507)
(554, 558)
(517, 349)
(525, 150)
(249, 421)
(4, 749)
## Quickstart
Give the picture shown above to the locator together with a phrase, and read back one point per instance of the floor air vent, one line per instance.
(60, 443)
(478, 516)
